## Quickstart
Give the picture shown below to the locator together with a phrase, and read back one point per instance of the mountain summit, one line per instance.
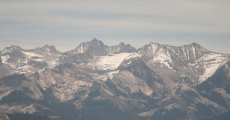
(88, 50)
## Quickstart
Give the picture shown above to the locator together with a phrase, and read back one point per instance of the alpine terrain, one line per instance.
(100, 82)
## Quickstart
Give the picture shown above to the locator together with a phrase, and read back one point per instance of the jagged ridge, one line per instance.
(152, 81)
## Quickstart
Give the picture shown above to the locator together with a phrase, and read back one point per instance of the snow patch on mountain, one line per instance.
(157, 53)
(163, 59)
(211, 62)
(53, 63)
(111, 74)
(160, 55)
(194, 52)
(23, 69)
(148, 113)
(133, 55)
(82, 48)
(5, 58)
(34, 56)
(153, 47)
(113, 61)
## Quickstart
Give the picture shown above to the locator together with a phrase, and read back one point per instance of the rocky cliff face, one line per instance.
(95, 81)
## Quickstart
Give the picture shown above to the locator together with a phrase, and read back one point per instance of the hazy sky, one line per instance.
(65, 24)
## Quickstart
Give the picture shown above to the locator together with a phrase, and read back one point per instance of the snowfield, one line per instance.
(211, 63)
(113, 61)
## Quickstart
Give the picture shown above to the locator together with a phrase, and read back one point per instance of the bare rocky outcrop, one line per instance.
(3, 115)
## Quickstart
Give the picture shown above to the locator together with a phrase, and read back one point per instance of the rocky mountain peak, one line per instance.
(96, 42)
(15, 47)
(83, 47)
(122, 44)
(195, 44)
(121, 48)
(47, 49)
(189, 52)
(10, 49)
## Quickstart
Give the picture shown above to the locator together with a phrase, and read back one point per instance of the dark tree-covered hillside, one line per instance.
(27, 116)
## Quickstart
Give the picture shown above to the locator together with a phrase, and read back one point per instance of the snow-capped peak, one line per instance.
(29, 61)
(83, 47)
(113, 61)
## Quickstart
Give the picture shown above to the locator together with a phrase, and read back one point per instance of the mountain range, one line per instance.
(96, 81)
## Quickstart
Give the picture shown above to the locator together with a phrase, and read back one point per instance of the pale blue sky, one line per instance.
(65, 24)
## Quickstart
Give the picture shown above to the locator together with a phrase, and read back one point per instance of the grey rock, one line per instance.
(3, 115)
(155, 81)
